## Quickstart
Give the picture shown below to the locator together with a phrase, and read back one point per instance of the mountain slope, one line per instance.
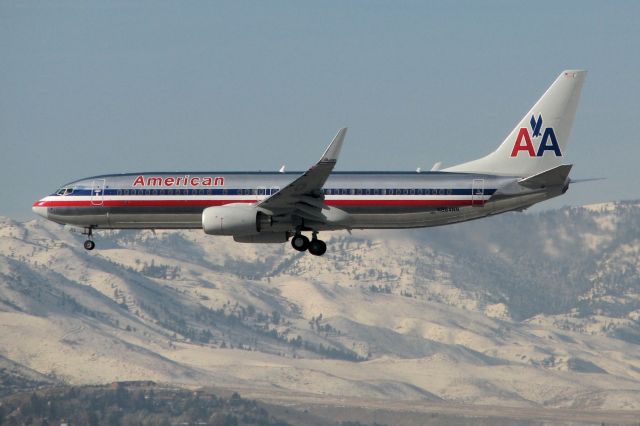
(519, 309)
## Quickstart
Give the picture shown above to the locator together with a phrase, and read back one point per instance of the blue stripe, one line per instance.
(243, 191)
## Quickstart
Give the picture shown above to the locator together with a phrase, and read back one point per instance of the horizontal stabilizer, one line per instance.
(556, 176)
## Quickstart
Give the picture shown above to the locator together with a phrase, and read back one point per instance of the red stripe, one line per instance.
(208, 203)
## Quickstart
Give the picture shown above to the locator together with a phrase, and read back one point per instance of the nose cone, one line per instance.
(40, 210)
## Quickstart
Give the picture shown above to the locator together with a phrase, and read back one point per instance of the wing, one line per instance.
(303, 197)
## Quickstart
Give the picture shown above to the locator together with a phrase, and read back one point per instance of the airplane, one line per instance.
(276, 207)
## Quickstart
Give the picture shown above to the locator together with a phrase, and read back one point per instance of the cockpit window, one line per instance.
(64, 191)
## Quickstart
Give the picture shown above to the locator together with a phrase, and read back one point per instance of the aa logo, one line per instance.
(547, 143)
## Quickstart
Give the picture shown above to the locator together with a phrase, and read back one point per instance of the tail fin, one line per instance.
(540, 139)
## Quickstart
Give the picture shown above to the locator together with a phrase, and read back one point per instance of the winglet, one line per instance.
(333, 150)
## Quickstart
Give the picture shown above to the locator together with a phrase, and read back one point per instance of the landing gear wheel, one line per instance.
(89, 245)
(300, 242)
(317, 247)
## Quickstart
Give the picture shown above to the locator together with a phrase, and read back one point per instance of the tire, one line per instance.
(300, 242)
(89, 245)
(317, 247)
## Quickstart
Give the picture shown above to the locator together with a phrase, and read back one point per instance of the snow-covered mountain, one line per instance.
(518, 310)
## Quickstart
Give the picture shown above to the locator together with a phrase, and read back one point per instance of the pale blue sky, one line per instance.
(106, 87)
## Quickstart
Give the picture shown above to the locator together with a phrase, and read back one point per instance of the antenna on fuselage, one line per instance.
(281, 170)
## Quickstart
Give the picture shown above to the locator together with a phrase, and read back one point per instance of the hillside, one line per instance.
(524, 310)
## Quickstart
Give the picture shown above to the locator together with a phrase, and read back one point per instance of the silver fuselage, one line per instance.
(358, 200)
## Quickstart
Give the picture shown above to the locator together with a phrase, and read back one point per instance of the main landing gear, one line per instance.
(89, 244)
(301, 243)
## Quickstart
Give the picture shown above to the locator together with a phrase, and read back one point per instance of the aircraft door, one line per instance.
(477, 193)
(97, 192)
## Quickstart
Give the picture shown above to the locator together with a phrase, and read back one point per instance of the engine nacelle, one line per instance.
(231, 219)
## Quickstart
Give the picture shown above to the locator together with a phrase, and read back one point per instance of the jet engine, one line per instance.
(240, 219)
(230, 219)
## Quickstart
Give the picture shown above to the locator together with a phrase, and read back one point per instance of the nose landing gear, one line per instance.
(301, 243)
(89, 244)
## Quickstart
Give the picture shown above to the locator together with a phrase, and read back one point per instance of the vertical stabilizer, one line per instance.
(539, 141)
